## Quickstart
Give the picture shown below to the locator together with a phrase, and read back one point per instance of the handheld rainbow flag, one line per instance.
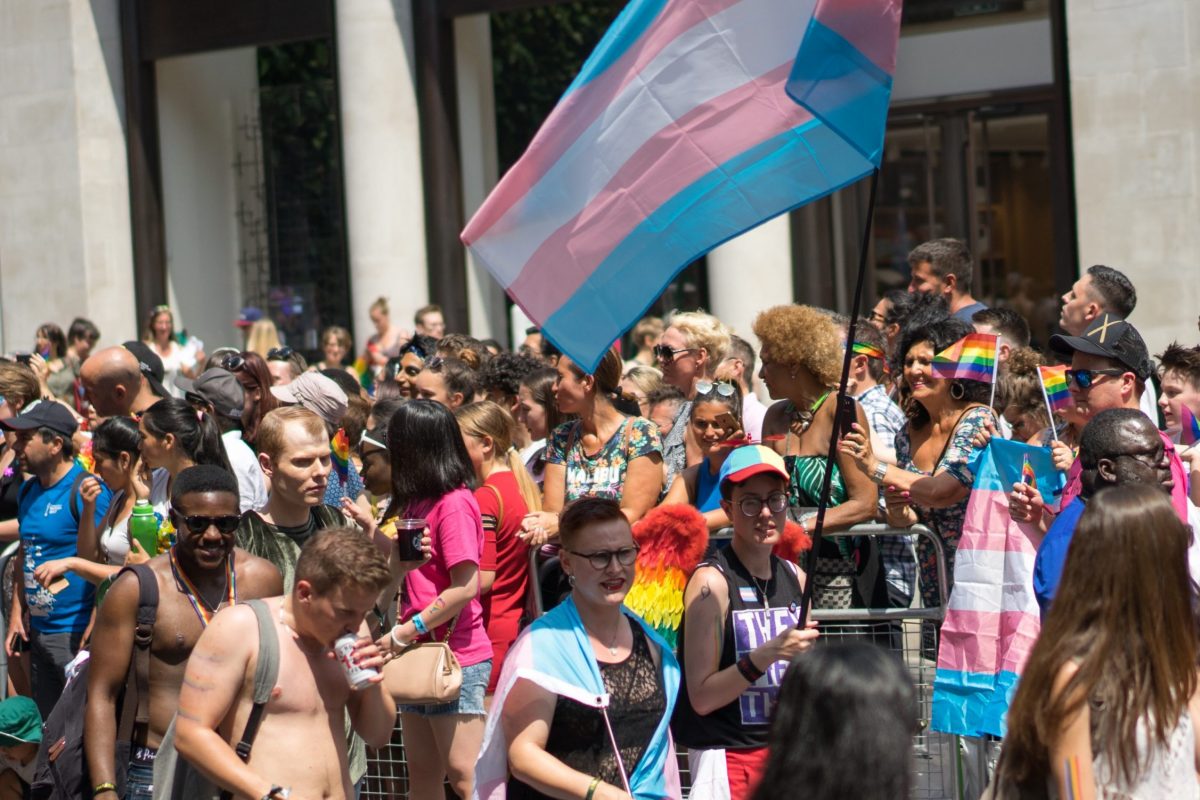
(971, 358)
(85, 459)
(871, 351)
(364, 374)
(691, 123)
(1189, 432)
(1054, 385)
(1028, 476)
(340, 448)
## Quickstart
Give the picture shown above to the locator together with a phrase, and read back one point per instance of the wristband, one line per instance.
(101, 788)
(399, 644)
(748, 670)
(419, 624)
(591, 792)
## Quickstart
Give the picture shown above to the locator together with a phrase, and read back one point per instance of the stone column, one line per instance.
(750, 273)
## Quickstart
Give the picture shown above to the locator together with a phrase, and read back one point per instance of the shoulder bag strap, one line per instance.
(135, 707)
(265, 675)
(950, 438)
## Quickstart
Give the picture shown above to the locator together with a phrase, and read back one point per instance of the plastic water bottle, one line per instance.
(143, 526)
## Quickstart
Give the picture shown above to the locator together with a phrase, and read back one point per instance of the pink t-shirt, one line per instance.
(457, 533)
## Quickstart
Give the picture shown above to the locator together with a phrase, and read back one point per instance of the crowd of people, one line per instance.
(194, 531)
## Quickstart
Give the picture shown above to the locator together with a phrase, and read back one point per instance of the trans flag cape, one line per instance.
(555, 654)
(692, 122)
(992, 619)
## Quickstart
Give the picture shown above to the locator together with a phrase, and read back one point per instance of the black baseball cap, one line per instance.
(218, 387)
(1109, 336)
(43, 414)
(150, 364)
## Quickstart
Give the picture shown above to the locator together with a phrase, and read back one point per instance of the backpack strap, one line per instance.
(265, 675)
(135, 707)
(74, 499)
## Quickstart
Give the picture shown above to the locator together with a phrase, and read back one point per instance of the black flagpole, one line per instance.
(845, 413)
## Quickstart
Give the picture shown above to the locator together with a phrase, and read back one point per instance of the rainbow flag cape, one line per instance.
(340, 449)
(871, 351)
(1054, 384)
(554, 652)
(692, 122)
(672, 540)
(992, 618)
(971, 358)
(1189, 427)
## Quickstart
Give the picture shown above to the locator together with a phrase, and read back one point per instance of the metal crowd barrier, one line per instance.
(934, 756)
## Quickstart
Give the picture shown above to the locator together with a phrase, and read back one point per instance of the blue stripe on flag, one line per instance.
(842, 87)
(970, 704)
(772, 178)
(999, 473)
(626, 29)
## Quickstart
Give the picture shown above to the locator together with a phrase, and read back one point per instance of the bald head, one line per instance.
(112, 381)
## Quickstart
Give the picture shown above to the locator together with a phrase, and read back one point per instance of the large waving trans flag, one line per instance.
(992, 619)
(692, 122)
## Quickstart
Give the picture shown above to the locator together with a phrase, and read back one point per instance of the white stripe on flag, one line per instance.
(993, 581)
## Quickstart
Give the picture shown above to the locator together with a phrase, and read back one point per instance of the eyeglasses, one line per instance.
(753, 506)
(1150, 458)
(435, 363)
(1084, 378)
(233, 362)
(723, 388)
(666, 354)
(602, 558)
(196, 523)
(284, 353)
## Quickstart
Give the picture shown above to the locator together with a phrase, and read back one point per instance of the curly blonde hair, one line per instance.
(703, 331)
(802, 336)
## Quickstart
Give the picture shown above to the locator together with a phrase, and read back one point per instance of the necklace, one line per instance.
(761, 588)
(204, 611)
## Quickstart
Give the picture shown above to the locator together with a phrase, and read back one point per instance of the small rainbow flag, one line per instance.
(364, 374)
(1189, 432)
(340, 448)
(85, 459)
(1028, 476)
(1054, 383)
(971, 358)
(871, 351)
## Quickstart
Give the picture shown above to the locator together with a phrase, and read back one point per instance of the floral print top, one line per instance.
(601, 474)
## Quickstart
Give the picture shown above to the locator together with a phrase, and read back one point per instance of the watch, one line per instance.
(877, 474)
(278, 793)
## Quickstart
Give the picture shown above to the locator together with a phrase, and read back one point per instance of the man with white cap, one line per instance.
(741, 612)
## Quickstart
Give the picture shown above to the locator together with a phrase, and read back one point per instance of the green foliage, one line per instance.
(536, 54)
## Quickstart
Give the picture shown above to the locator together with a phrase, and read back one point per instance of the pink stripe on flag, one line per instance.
(972, 641)
(867, 24)
(576, 112)
(985, 526)
(674, 158)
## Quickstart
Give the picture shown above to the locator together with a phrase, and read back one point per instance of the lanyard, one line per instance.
(199, 605)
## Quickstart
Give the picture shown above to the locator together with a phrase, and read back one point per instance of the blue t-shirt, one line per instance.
(1052, 555)
(708, 489)
(49, 532)
(966, 312)
(335, 490)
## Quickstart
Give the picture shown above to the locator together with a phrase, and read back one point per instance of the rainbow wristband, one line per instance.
(419, 624)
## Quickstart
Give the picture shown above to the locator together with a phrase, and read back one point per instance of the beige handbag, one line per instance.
(424, 673)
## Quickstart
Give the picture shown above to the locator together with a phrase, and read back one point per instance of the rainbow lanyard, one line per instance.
(203, 612)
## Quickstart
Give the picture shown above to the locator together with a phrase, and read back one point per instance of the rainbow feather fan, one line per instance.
(340, 450)
(673, 540)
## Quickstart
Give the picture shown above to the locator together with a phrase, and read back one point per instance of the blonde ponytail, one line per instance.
(487, 418)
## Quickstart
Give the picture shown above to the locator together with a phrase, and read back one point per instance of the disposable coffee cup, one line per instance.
(408, 539)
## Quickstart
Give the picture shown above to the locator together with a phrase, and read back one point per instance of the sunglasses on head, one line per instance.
(666, 354)
(723, 388)
(1084, 378)
(197, 523)
(233, 362)
(284, 353)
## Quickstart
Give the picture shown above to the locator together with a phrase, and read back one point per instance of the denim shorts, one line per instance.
(470, 697)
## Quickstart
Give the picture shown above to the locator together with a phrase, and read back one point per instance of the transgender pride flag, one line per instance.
(992, 620)
(692, 122)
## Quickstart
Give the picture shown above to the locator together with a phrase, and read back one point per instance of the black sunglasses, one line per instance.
(284, 353)
(197, 523)
(666, 354)
(1084, 378)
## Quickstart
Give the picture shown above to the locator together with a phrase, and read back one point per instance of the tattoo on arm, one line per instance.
(187, 715)
(1071, 778)
(198, 685)
(705, 592)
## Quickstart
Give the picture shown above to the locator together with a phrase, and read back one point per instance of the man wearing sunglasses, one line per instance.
(741, 611)
(201, 574)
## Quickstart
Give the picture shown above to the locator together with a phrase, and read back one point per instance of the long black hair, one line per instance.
(117, 435)
(429, 458)
(940, 335)
(849, 704)
(196, 432)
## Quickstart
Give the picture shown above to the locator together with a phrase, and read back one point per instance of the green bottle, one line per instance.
(143, 526)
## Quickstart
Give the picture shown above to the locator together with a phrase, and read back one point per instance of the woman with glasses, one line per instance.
(255, 377)
(550, 733)
(690, 350)
(412, 358)
(603, 453)
(801, 365)
(740, 629)
(715, 420)
(177, 359)
(931, 480)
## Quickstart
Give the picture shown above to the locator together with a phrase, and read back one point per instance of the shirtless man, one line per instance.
(115, 386)
(195, 578)
(338, 577)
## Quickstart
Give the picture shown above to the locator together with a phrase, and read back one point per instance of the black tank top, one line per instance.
(578, 736)
(745, 722)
